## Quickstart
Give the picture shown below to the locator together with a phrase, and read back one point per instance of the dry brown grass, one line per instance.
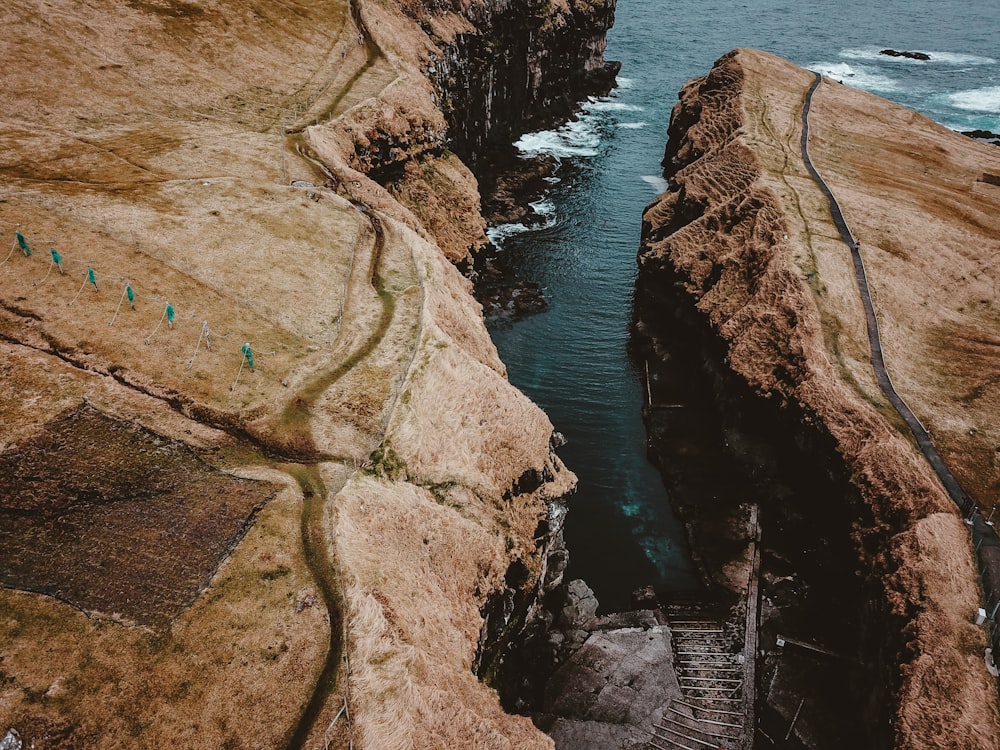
(907, 188)
(947, 691)
(766, 265)
(420, 571)
(206, 680)
(936, 293)
(423, 536)
(149, 147)
(135, 541)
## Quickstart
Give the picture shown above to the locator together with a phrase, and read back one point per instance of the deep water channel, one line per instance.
(572, 358)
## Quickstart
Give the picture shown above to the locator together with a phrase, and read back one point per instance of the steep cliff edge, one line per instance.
(454, 78)
(264, 481)
(742, 247)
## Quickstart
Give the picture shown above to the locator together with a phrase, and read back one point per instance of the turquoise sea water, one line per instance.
(571, 359)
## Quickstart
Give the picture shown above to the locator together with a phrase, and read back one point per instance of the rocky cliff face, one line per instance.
(523, 65)
(736, 251)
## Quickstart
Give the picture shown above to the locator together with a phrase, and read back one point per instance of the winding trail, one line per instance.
(920, 434)
(984, 536)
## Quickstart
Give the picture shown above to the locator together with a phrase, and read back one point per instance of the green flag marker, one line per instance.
(56, 257)
(247, 354)
(91, 277)
(130, 294)
(22, 243)
(170, 313)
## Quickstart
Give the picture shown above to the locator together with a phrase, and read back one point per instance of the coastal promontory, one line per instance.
(744, 255)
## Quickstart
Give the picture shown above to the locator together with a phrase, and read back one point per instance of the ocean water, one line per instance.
(571, 359)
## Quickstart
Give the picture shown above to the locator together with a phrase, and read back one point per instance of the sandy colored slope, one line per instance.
(929, 226)
(155, 143)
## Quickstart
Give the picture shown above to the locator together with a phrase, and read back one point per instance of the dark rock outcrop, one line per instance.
(526, 66)
(987, 136)
(904, 53)
(517, 651)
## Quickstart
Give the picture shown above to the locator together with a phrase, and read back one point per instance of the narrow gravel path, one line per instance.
(920, 434)
(984, 536)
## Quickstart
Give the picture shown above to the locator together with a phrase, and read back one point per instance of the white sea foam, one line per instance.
(659, 184)
(609, 105)
(625, 83)
(958, 58)
(945, 58)
(977, 100)
(552, 179)
(974, 122)
(543, 207)
(576, 138)
(497, 234)
(580, 137)
(855, 75)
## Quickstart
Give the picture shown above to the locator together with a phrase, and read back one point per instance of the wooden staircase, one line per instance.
(709, 663)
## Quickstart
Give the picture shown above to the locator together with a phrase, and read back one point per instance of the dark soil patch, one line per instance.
(117, 520)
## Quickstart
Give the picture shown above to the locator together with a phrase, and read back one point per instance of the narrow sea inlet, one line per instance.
(572, 358)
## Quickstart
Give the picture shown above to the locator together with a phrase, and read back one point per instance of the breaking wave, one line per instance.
(497, 234)
(609, 105)
(659, 184)
(977, 100)
(857, 76)
(946, 58)
(544, 208)
(577, 138)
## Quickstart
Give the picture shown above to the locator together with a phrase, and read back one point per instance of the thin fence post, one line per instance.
(202, 335)
(90, 278)
(165, 309)
(284, 169)
(125, 292)
(237, 379)
(13, 247)
(56, 261)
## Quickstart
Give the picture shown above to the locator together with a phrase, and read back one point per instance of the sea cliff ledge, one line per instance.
(742, 251)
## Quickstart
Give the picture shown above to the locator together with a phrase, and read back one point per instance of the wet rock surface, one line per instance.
(612, 689)
(906, 54)
(511, 185)
(987, 136)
